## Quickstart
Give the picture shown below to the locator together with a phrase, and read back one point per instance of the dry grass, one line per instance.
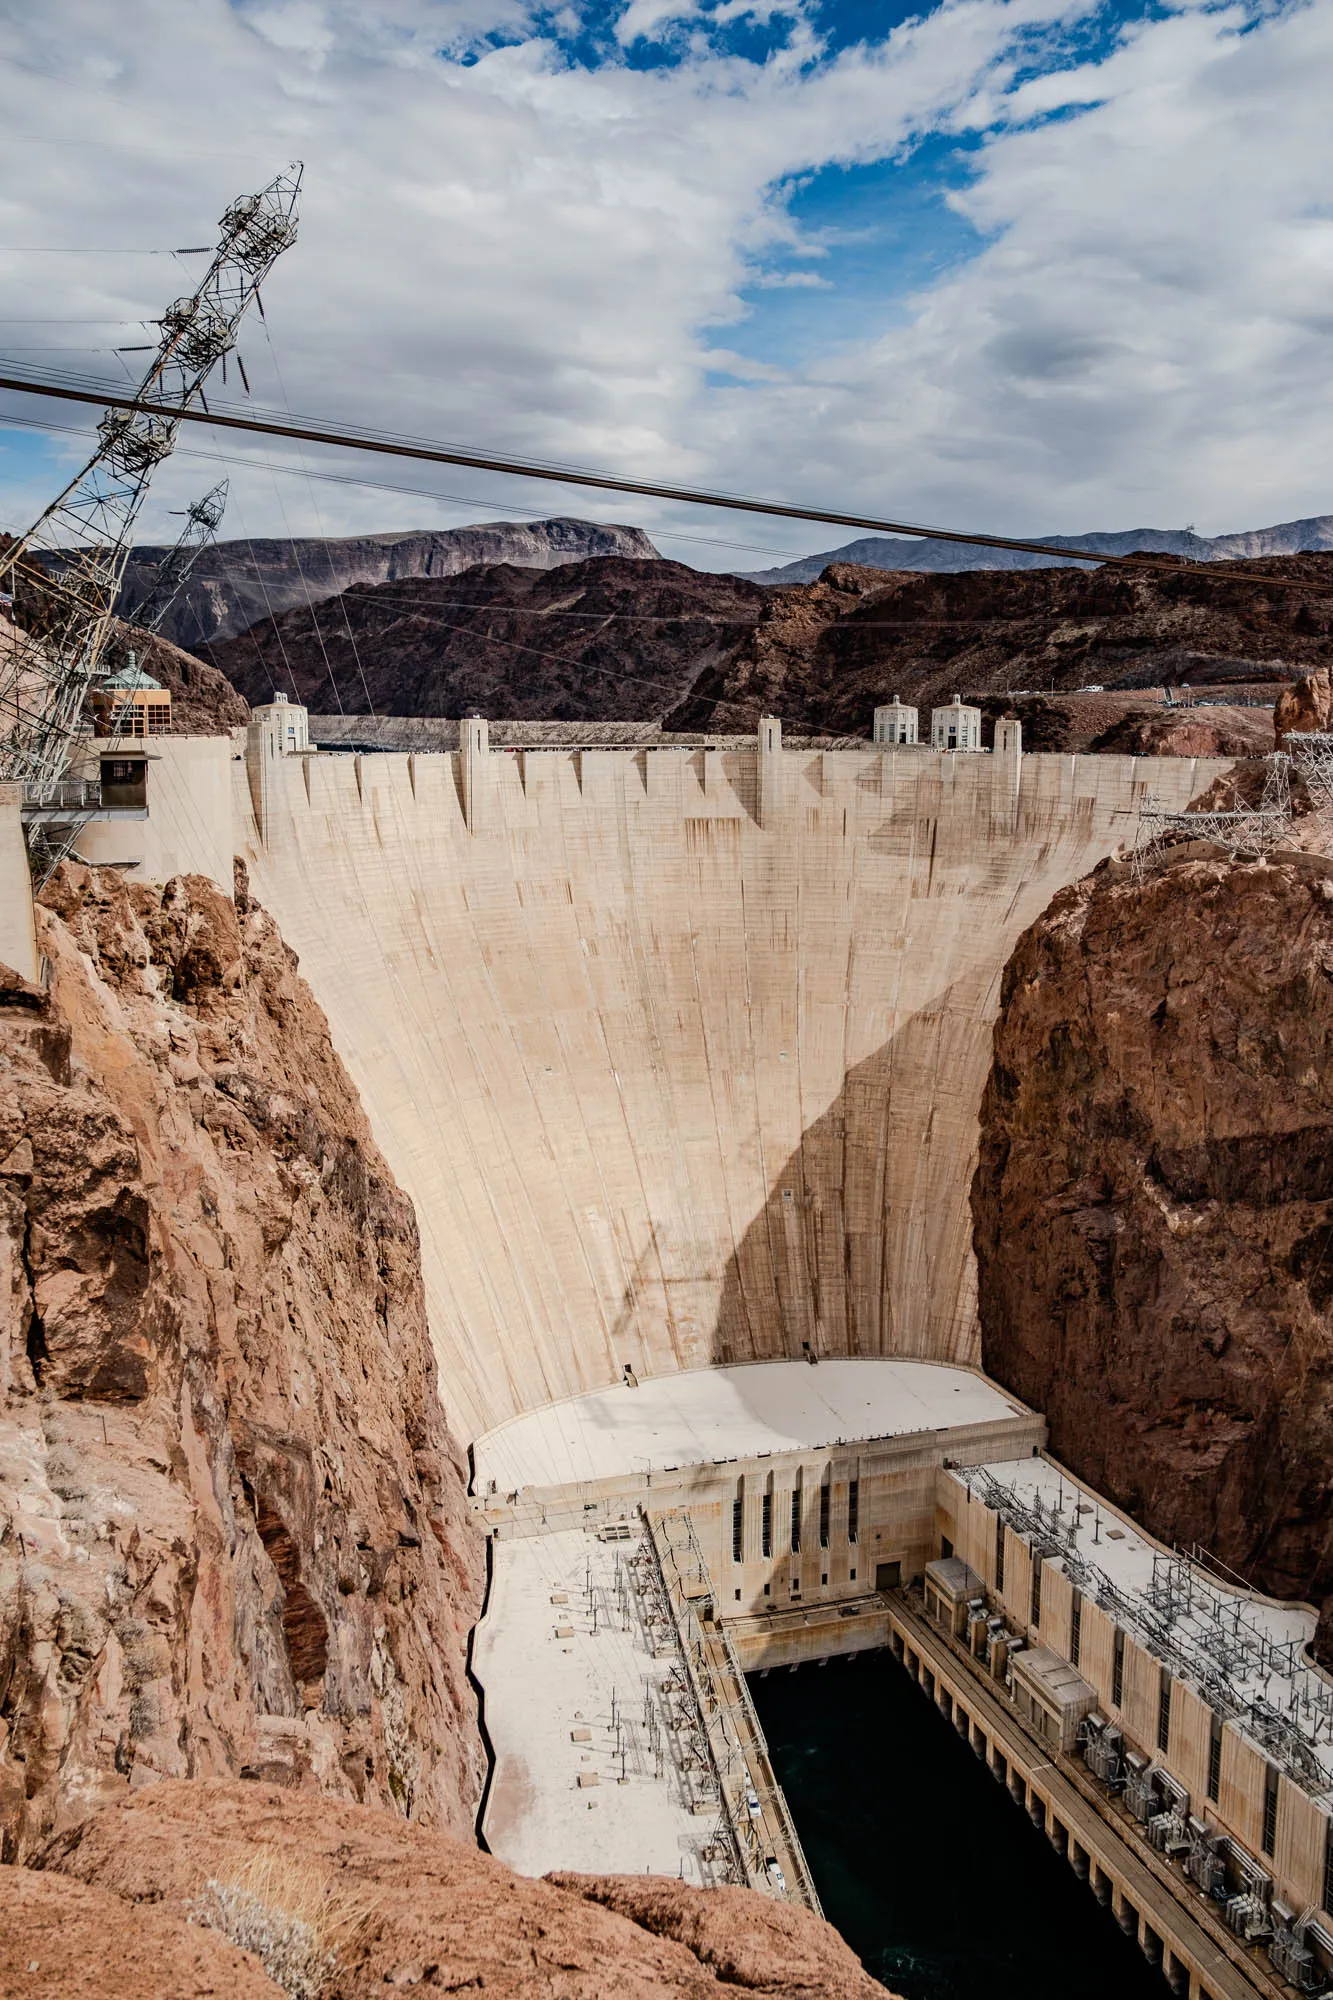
(289, 1913)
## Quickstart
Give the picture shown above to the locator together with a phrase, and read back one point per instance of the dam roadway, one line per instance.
(679, 1053)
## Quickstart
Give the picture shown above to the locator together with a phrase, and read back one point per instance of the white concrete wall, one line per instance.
(668, 1087)
(18, 935)
(191, 824)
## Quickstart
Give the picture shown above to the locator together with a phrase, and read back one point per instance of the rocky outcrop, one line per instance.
(59, 1938)
(401, 1907)
(1190, 732)
(233, 584)
(232, 1528)
(615, 640)
(1153, 1204)
(1306, 705)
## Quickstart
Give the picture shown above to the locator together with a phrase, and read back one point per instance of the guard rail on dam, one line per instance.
(679, 1053)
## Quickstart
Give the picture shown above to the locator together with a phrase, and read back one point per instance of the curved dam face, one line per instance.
(679, 1053)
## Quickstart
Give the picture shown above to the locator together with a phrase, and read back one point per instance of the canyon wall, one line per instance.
(618, 639)
(232, 1532)
(233, 583)
(1153, 1203)
(678, 1054)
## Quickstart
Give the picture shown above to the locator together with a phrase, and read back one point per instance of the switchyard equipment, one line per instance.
(1311, 753)
(1213, 1637)
(65, 572)
(1240, 829)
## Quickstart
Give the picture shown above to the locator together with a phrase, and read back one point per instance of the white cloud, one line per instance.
(535, 257)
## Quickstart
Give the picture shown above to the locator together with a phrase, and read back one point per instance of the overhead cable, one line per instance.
(440, 454)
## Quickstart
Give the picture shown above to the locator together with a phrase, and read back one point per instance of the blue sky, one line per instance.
(1027, 265)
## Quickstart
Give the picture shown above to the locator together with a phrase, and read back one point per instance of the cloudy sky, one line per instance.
(1020, 265)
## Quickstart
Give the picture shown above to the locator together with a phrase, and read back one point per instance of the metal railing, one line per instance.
(63, 795)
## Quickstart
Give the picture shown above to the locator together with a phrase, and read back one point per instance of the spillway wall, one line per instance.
(679, 1053)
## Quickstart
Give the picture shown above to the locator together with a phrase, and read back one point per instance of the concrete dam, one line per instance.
(678, 1053)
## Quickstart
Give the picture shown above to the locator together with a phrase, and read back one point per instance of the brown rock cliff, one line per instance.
(232, 1528)
(431, 1913)
(1153, 1204)
(639, 640)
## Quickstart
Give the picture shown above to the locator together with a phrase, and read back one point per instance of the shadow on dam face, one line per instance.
(863, 1247)
(669, 1086)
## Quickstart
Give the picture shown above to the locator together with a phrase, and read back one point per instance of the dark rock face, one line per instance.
(233, 1534)
(608, 638)
(1153, 1204)
(235, 583)
(617, 640)
(411, 1908)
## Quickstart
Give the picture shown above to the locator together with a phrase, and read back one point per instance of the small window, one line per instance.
(852, 1575)
(738, 1597)
(824, 1577)
(1272, 1778)
(1214, 1757)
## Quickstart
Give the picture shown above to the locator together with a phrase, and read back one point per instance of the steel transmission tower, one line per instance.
(65, 573)
(202, 521)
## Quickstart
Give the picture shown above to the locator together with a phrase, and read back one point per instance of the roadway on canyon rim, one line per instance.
(669, 1086)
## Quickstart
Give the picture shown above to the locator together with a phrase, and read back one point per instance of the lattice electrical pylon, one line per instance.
(65, 573)
(202, 521)
(203, 518)
(1239, 830)
(1311, 753)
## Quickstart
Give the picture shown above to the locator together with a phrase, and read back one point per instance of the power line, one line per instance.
(418, 492)
(437, 454)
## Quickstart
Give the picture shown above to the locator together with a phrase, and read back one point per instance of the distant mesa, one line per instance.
(235, 583)
(1290, 538)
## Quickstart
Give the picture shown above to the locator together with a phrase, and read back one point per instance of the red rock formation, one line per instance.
(1307, 704)
(59, 1938)
(1190, 732)
(414, 1909)
(232, 1528)
(1153, 1205)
